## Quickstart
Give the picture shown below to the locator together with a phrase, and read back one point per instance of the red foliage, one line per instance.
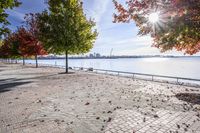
(178, 26)
(9, 47)
(29, 44)
(5, 51)
(24, 41)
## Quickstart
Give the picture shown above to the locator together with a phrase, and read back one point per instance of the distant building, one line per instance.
(94, 55)
(98, 55)
(91, 55)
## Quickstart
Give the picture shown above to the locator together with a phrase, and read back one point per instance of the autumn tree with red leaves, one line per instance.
(24, 41)
(29, 44)
(178, 24)
(35, 46)
(5, 51)
(10, 47)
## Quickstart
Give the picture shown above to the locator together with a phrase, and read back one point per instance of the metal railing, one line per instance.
(133, 75)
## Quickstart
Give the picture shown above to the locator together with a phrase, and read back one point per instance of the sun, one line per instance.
(154, 17)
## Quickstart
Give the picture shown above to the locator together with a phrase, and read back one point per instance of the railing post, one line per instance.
(133, 76)
(152, 77)
(177, 81)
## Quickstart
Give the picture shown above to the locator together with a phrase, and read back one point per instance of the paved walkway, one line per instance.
(44, 100)
(130, 121)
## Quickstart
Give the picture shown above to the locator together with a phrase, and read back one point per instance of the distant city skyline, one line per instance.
(122, 38)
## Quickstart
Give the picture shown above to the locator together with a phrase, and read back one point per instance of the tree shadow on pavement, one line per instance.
(8, 86)
(3, 80)
(9, 83)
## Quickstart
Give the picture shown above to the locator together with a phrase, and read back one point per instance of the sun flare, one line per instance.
(154, 17)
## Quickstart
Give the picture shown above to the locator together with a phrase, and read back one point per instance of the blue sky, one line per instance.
(122, 38)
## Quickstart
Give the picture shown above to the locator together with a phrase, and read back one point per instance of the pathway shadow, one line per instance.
(193, 98)
(3, 80)
(9, 83)
(8, 86)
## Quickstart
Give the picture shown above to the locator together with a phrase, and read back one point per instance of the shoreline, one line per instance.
(44, 100)
(182, 68)
(146, 77)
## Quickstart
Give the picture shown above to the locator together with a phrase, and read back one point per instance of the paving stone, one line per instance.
(160, 125)
(48, 102)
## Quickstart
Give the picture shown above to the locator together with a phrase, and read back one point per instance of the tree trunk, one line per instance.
(36, 61)
(23, 61)
(66, 61)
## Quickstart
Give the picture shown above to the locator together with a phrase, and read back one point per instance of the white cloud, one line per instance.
(97, 10)
(16, 15)
(144, 40)
(147, 50)
(136, 41)
(100, 7)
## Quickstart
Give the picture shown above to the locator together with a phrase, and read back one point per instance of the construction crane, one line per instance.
(111, 51)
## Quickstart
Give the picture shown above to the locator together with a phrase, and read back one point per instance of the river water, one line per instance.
(187, 67)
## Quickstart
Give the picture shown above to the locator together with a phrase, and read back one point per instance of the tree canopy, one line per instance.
(178, 24)
(6, 4)
(21, 44)
(29, 45)
(10, 46)
(65, 28)
(32, 32)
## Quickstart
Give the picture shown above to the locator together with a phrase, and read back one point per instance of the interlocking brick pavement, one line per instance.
(163, 121)
(44, 101)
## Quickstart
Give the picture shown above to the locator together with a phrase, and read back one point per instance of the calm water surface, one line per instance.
(188, 67)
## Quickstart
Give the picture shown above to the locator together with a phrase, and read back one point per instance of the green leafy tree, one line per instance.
(6, 4)
(65, 28)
